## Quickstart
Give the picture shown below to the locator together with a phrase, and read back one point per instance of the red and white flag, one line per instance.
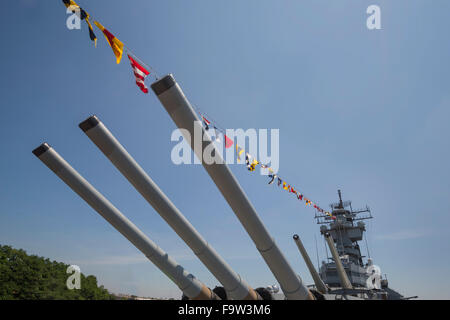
(140, 73)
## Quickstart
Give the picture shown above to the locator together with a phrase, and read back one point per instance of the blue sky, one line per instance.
(364, 111)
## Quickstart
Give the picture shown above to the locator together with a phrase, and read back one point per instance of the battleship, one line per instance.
(347, 276)
(344, 276)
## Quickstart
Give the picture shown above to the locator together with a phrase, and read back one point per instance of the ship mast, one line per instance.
(345, 229)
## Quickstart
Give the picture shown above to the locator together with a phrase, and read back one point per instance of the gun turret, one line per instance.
(235, 287)
(317, 280)
(180, 110)
(345, 282)
(189, 285)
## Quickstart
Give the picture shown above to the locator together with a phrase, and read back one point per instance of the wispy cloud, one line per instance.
(403, 235)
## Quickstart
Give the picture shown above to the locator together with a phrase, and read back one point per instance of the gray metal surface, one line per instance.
(349, 275)
(317, 280)
(345, 282)
(236, 287)
(176, 104)
(190, 286)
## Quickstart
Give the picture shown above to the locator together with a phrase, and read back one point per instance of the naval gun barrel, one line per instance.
(180, 110)
(188, 284)
(317, 280)
(345, 282)
(235, 287)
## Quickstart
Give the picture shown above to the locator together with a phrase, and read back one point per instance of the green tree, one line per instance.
(30, 277)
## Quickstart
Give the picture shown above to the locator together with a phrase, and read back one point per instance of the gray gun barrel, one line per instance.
(235, 287)
(317, 280)
(190, 286)
(180, 110)
(345, 282)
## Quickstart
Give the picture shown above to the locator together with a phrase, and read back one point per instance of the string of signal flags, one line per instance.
(141, 71)
(252, 163)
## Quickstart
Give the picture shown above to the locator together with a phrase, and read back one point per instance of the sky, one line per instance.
(364, 111)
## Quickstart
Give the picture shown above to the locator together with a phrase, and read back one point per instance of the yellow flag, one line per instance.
(253, 165)
(116, 44)
(239, 152)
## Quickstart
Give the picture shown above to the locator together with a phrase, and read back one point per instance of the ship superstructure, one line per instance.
(347, 274)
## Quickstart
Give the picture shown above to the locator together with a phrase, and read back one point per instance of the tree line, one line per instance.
(31, 277)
